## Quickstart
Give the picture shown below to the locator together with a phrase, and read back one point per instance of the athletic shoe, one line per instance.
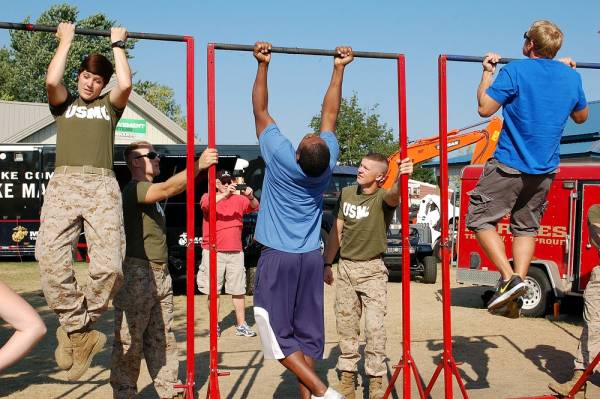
(244, 330)
(330, 394)
(511, 310)
(507, 291)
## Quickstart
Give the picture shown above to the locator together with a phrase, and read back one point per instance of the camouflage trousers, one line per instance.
(361, 286)
(143, 326)
(75, 201)
(589, 343)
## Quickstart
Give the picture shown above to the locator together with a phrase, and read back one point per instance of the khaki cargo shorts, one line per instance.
(502, 190)
(230, 267)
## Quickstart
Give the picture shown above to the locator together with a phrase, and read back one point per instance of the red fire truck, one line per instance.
(563, 256)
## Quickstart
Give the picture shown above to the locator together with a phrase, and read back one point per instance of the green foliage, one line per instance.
(359, 132)
(162, 97)
(426, 175)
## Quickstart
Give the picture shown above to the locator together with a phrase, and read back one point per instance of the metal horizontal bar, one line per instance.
(305, 51)
(91, 32)
(470, 58)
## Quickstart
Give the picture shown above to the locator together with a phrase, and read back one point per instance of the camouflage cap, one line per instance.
(594, 224)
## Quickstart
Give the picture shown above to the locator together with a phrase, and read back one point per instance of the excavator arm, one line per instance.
(425, 149)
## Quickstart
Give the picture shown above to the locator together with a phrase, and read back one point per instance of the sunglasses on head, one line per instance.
(150, 155)
(526, 35)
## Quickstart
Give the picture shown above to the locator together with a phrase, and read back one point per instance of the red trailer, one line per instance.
(563, 256)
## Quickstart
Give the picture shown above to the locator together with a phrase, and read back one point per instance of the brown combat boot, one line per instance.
(86, 344)
(64, 351)
(376, 390)
(348, 384)
(564, 389)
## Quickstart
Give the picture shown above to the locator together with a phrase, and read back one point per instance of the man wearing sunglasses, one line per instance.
(231, 208)
(537, 96)
(144, 305)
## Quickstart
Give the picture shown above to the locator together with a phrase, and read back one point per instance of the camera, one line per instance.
(241, 187)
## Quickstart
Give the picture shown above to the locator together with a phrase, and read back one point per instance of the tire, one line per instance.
(323, 240)
(250, 277)
(437, 252)
(429, 270)
(538, 298)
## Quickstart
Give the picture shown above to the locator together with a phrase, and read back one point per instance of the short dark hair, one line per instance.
(99, 65)
(314, 159)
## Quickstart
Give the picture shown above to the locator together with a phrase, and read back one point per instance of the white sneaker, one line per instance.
(329, 394)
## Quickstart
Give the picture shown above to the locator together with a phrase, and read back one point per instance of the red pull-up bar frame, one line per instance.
(448, 364)
(190, 253)
(407, 363)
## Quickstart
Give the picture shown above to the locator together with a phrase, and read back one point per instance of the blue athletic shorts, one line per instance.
(288, 303)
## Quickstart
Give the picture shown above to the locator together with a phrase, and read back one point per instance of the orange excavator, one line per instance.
(428, 148)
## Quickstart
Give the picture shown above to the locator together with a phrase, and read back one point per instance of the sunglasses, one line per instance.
(225, 180)
(150, 155)
(526, 36)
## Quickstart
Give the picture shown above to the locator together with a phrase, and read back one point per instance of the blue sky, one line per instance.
(421, 31)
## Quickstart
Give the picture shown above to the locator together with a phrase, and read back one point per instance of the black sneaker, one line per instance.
(511, 310)
(507, 291)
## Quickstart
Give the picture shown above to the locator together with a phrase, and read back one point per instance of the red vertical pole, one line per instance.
(213, 379)
(402, 139)
(190, 208)
(443, 136)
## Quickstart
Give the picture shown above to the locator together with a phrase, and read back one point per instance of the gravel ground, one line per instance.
(498, 357)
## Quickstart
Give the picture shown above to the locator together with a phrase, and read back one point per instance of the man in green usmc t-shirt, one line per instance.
(144, 305)
(83, 193)
(364, 212)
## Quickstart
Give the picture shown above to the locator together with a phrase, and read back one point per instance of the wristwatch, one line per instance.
(119, 44)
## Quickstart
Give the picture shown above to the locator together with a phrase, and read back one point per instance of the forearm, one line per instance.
(486, 81)
(56, 69)
(177, 184)
(333, 244)
(23, 318)
(333, 96)
(253, 202)
(392, 196)
(19, 345)
(260, 91)
(122, 69)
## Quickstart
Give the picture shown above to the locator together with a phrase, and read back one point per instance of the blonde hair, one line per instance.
(132, 147)
(547, 38)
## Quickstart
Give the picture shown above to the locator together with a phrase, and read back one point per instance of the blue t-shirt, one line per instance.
(537, 95)
(291, 203)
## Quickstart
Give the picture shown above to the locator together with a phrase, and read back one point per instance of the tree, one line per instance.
(162, 97)
(23, 65)
(425, 175)
(359, 132)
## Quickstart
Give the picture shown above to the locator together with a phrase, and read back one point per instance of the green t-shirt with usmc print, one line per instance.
(366, 218)
(145, 226)
(86, 132)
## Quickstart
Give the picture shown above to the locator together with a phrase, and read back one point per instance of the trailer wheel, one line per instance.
(250, 277)
(322, 240)
(535, 302)
(429, 270)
